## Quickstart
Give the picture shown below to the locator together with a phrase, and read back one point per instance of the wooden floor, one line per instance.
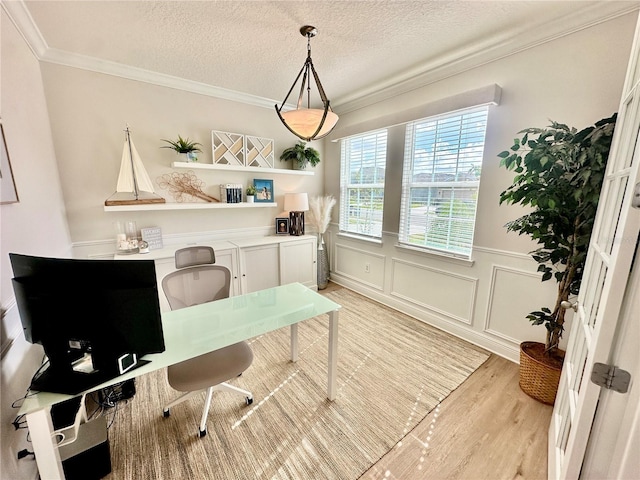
(486, 429)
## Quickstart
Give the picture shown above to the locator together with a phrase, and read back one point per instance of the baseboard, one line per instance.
(493, 344)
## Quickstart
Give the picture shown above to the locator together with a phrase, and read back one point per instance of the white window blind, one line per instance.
(441, 176)
(363, 161)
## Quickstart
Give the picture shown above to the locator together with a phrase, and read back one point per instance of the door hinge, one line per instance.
(635, 202)
(611, 377)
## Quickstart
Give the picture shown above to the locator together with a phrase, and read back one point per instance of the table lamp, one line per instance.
(296, 204)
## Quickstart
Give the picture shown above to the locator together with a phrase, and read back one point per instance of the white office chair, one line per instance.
(197, 280)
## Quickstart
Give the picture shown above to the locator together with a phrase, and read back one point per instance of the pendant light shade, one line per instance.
(305, 122)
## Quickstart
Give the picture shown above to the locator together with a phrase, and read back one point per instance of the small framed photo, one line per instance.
(282, 226)
(264, 190)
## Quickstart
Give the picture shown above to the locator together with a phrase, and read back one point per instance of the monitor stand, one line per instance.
(73, 382)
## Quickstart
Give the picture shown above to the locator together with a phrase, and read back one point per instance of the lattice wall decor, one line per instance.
(228, 148)
(259, 152)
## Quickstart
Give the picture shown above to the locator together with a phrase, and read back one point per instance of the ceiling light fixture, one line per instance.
(308, 123)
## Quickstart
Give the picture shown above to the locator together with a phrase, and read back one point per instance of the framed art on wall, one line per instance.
(282, 226)
(8, 192)
(264, 190)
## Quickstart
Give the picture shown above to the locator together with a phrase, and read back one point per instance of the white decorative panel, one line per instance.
(228, 148)
(513, 293)
(258, 152)
(364, 267)
(440, 291)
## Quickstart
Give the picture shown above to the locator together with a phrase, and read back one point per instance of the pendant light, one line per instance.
(308, 123)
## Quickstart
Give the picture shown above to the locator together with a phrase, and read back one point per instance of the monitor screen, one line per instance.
(94, 318)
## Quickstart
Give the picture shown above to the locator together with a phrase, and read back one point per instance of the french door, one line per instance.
(607, 268)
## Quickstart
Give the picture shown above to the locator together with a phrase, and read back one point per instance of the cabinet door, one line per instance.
(298, 262)
(229, 259)
(260, 267)
(164, 266)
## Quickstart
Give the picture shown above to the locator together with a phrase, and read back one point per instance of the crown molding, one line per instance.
(515, 40)
(22, 19)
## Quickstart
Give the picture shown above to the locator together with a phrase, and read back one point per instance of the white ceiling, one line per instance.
(253, 49)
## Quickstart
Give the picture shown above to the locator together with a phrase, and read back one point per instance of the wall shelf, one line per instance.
(186, 206)
(240, 168)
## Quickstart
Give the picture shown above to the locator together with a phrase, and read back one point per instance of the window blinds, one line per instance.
(362, 173)
(441, 176)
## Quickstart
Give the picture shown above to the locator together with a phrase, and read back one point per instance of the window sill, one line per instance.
(353, 236)
(437, 255)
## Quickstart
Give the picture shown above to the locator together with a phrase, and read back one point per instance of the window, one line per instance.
(441, 176)
(363, 161)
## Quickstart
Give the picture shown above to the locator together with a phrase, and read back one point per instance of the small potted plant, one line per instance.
(301, 155)
(559, 173)
(185, 147)
(251, 193)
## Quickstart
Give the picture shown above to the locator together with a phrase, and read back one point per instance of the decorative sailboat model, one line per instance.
(134, 185)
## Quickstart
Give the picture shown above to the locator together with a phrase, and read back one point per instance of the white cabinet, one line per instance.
(298, 262)
(255, 263)
(259, 267)
(277, 260)
(226, 254)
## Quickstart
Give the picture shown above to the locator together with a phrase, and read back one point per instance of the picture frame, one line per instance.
(264, 190)
(282, 226)
(8, 191)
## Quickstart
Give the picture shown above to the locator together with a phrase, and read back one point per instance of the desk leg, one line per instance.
(46, 452)
(333, 355)
(294, 342)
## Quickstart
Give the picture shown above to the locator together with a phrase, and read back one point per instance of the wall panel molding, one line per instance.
(462, 289)
(351, 262)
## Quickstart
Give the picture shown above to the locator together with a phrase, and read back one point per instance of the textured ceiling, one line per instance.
(254, 47)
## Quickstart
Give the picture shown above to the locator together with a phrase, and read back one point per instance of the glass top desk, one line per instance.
(196, 330)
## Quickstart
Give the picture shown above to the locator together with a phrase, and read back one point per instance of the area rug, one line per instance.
(392, 371)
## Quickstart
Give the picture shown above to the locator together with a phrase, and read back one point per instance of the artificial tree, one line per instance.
(559, 173)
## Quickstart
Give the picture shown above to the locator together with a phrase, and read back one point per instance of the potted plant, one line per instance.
(183, 146)
(301, 155)
(251, 193)
(559, 174)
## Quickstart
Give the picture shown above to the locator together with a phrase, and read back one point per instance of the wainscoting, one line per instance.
(485, 300)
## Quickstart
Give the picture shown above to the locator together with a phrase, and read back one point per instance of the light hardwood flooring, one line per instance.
(486, 429)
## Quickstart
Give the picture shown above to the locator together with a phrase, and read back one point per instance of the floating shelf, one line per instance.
(186, 206)
(240, 168)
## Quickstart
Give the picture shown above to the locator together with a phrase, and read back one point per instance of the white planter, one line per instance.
(250, 198)
(189, 157)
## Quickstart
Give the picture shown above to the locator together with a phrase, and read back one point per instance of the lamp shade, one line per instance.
(296, 202)
(304, 122)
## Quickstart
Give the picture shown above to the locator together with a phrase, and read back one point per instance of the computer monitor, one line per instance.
(94, 318)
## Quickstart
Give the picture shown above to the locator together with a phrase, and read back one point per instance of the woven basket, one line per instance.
(538, 379)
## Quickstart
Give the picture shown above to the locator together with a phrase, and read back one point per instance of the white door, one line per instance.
(605, 278)
(612, 451)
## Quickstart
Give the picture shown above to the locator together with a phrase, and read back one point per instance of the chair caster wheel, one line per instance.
(166, 413)
(202, 433)
(249, 400)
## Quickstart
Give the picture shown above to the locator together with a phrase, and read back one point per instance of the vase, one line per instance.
(323, 264)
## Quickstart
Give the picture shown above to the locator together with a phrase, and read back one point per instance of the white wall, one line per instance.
(88, 113)
(575, 80)
(36, 225)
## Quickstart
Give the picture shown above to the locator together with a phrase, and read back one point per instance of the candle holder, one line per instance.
(126, 238)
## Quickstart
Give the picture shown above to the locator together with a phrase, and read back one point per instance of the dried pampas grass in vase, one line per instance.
(319, 217)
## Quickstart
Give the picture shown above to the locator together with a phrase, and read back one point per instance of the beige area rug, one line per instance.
(392, 371)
